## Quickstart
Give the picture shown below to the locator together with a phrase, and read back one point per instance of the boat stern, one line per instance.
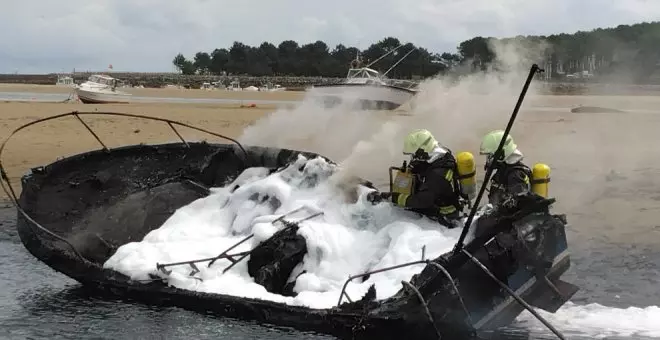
(515, 262)
(530, 262)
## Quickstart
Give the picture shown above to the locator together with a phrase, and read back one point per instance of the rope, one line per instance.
(426, 308)
(460, 298)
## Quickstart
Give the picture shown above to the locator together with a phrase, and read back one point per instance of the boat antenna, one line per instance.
(498, 154)
(400, 60)
(384, 55)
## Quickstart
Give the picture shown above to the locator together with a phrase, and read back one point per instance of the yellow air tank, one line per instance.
(403, 181)
(467, 174)
(540, 179)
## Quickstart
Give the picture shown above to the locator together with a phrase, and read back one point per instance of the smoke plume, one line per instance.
(457, 109)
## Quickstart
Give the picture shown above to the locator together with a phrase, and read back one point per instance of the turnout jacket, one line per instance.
(436, 191)
(508, 180)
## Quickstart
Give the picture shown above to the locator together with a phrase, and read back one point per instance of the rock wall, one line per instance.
(156, 80)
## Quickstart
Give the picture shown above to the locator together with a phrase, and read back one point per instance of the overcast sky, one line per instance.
(145, 35)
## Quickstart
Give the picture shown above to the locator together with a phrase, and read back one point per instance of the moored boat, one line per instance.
(101, 89)
(365, 88)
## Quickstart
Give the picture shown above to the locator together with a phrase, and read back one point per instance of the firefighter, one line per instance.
(511, 176)
(435, 189)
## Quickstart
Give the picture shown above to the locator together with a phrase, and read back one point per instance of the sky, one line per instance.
(43, 36)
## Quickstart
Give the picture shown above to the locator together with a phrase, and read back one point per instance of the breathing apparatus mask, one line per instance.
(492, 161)
(418, 161)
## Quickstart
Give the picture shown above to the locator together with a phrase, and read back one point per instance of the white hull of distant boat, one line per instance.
(89, 95)
(366, 96)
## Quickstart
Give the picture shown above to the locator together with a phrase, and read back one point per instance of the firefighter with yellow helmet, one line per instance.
(436, 192)
(511, 176)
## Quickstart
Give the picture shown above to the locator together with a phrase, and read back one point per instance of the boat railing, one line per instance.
(242, 255)
(443, 270)
(376, 271)
(403, 265)
(410, 286)
(8, 188)
(408, 84)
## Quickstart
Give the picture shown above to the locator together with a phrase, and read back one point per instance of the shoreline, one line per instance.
(545, 88)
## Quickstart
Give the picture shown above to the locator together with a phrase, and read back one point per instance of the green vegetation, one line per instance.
(312, 60)
(630, 50)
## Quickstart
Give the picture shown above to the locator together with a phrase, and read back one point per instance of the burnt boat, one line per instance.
(74, 213)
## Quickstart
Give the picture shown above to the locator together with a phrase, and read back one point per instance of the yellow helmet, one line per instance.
(491, 141)
(419, 139)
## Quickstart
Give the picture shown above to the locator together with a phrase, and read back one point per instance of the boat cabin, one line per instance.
(102, 80)
(363, 75)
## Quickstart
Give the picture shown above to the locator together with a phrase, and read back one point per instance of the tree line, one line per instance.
(625, 49)
(311, 60)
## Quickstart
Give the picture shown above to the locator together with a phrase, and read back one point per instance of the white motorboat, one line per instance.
(366, 87)
(101, 89)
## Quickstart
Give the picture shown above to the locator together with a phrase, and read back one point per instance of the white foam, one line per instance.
(349, 238)
(599, 321)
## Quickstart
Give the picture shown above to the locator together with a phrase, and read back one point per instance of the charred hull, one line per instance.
(74, 214)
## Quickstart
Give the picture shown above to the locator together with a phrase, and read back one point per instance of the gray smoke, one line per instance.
(458, 111)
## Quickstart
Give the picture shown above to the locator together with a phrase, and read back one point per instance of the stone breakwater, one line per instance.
(158, 80)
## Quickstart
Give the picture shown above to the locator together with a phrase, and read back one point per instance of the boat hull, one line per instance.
(377, 97)
(101, 96)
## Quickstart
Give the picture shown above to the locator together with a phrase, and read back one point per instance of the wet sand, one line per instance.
(606, 167)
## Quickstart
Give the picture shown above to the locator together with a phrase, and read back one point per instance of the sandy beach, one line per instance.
(605, 165)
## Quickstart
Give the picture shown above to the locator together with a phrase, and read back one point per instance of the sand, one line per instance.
(606, 166)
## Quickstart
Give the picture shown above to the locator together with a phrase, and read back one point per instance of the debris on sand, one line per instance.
(594, 109)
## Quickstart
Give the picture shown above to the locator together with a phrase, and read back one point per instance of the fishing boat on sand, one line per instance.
(366, 88)
(101, 89)
(100, 217)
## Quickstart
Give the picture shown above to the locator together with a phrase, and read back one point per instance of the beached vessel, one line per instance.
(366, 88)
(101, 89)
(73, 214)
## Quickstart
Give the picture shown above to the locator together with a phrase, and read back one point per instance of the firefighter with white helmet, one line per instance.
(511, 176)
(436, 192)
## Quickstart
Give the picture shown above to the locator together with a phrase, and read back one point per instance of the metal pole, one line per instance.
(459, 245)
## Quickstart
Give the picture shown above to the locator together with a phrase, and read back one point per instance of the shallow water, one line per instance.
(38, 303)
